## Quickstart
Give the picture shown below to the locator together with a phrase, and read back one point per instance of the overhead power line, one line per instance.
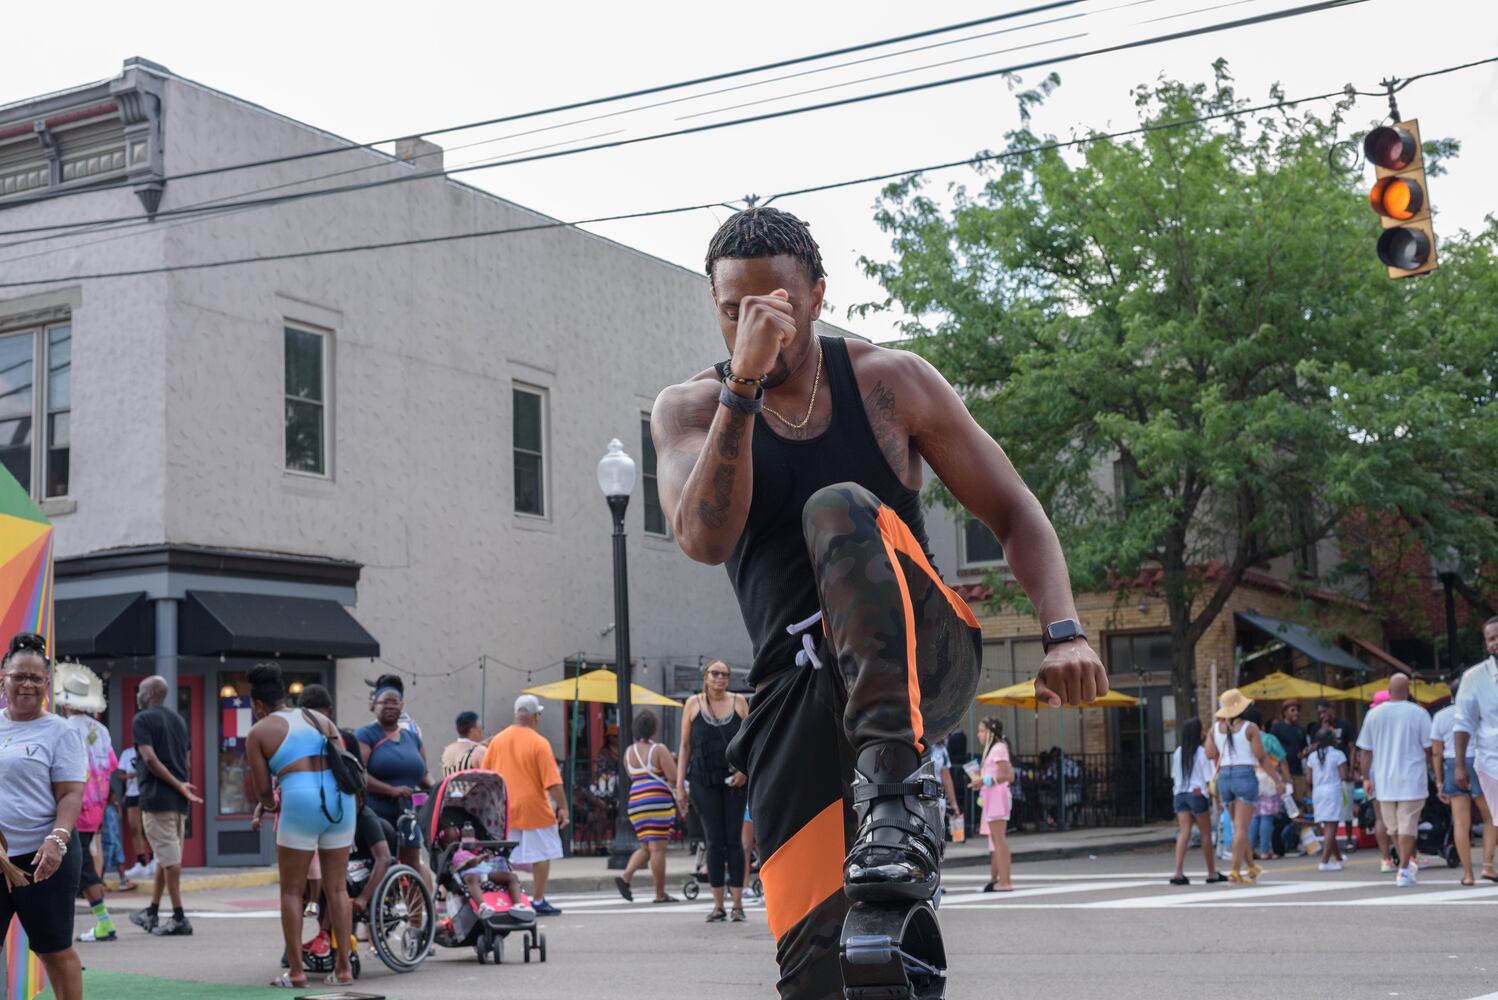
(1304, 9)
(591, 102)
(652, 213)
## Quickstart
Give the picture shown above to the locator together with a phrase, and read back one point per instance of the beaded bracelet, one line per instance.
(731, 377)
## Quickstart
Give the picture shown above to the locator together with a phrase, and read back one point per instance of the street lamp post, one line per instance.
(1448, 567)
(616, 478)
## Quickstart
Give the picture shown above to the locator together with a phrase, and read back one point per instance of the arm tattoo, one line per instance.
(729, 438)
(879, 404)
(715, 514)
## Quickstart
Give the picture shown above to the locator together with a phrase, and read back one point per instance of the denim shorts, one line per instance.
(1238, 783)
(1196, 805)
(1449, 787)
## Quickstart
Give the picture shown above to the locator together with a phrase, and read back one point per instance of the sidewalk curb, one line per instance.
(232, 880)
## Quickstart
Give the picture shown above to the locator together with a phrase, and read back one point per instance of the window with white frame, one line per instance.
(530, 450)
(979, 546)
(27, 403)
(655, 514)
(308, 362)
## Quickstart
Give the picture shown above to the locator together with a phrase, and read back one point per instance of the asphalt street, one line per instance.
(1078, 928)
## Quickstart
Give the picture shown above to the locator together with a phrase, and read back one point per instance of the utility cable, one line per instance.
(575, 105)
(1317, 7)
(555, 224)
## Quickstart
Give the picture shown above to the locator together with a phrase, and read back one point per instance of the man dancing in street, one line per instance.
(798, 464)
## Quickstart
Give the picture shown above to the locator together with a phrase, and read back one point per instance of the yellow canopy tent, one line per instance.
(1023, 696)
(1423, 692)
(1280, 686)
(598, 685)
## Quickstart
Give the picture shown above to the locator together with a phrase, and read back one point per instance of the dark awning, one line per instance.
(1300, 638)
(270, 625)
(111, 625)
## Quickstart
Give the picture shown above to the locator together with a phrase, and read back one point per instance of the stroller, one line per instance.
(476, 798)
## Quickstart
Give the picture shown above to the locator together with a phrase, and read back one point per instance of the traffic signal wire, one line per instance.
(1316, 7)
(591, 102)
(653, 213)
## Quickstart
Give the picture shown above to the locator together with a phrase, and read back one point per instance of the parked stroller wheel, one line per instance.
(1452, 858)
(689, 888)
(758, 888)
(497, 949)
(482, 946)
(541, 945)
(526, 949)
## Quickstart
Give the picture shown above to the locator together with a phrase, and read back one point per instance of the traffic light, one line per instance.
(1407, 245)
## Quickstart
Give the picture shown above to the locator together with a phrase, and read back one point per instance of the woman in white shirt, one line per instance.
(1329, 768)
(1191, 774)
(1237, 749)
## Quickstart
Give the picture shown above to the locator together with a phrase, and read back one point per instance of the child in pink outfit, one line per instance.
(994, 797)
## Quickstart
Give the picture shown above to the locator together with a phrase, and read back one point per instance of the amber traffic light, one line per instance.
(1407, 245)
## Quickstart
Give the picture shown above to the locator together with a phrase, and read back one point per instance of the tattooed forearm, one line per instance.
(731, 436)
(714, 513)
(879, 404)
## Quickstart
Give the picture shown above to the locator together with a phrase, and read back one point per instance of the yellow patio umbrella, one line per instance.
(1023, 696)
(1423, 692)
(598, 685)
(1280, 686)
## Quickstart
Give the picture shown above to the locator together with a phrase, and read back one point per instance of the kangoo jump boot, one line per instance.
(896, 855)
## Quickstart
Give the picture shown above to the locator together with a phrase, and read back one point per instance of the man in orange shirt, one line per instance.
(538, 810)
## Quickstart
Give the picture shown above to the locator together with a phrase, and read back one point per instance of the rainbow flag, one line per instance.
(25, 606)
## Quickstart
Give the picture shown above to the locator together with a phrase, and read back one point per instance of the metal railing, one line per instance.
(1090, 790)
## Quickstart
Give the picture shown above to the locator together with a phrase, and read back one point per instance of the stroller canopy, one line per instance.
(479, 793)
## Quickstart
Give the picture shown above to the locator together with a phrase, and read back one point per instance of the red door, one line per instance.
(189, 702)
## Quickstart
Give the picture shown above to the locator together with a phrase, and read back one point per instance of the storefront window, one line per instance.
(236, 790)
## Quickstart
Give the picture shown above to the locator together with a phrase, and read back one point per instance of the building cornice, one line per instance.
(175, 558)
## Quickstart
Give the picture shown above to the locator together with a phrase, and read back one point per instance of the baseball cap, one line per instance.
(529, 704)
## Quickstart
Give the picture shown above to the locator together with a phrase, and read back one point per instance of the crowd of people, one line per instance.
(1419, 779)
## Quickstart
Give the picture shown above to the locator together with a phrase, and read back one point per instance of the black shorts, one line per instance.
(132, 802)
(87, 877)
(45, 908)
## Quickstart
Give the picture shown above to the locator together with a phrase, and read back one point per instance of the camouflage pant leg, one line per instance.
(909, 647)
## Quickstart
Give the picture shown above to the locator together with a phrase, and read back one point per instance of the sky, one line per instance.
(378, 70)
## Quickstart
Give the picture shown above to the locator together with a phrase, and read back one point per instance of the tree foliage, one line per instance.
(1186, 343)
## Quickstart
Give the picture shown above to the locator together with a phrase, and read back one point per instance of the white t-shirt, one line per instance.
(127, 763)
(1200, 777)
(1443, 728)
(1398, 734)
(1327, 773)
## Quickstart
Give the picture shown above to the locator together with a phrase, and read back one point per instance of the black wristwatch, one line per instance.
(1065, 630)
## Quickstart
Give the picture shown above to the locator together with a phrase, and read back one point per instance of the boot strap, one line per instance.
(866, 791)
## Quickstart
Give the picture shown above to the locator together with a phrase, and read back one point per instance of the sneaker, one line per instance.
(144, 919)
(173, 927)
(487, 913)
(1402, 880)
(737, 915)
(1336, 866)
(543, 908)
(1423, 861)
(1386, 868)
(92, 935)
(1412, 872)
(139, 870)
(1327, 866)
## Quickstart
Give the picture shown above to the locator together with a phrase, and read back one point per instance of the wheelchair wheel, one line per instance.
(402, 919)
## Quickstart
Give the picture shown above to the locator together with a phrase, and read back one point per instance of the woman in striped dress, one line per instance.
(652, 807)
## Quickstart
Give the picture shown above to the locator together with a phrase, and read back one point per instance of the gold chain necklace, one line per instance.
(816, 381)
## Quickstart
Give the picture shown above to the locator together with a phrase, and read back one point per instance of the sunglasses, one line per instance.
(719, 673)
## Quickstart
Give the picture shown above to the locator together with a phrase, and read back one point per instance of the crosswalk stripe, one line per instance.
(972, 899)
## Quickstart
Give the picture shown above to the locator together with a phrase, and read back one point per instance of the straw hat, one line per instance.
(1233, 703)
(77, 687)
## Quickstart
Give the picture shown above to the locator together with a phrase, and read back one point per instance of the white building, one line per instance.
(323, 460)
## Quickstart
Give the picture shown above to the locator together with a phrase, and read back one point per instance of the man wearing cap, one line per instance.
(468, 749)
(538, 810)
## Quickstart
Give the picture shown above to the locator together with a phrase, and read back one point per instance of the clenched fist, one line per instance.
(1071, 674)
(763, 326)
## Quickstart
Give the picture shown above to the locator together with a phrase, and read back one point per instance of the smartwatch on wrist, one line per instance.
(1065, 630)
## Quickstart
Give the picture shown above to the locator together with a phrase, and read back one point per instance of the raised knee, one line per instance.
(834, 510)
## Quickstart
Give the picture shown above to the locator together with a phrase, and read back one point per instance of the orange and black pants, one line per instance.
(902, 655)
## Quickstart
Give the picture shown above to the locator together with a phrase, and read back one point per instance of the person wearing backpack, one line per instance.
(316, 814)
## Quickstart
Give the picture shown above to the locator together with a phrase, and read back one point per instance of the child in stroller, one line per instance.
(483, 872)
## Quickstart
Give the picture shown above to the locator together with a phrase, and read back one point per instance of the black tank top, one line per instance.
(710, 739)
(770, 570)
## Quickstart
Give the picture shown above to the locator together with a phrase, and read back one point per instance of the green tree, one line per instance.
(1199, 311)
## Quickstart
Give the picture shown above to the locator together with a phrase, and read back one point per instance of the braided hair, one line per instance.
(995, 727)
(765, 232)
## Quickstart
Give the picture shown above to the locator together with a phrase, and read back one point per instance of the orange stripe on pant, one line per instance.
(897, 533)
(805, 870)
